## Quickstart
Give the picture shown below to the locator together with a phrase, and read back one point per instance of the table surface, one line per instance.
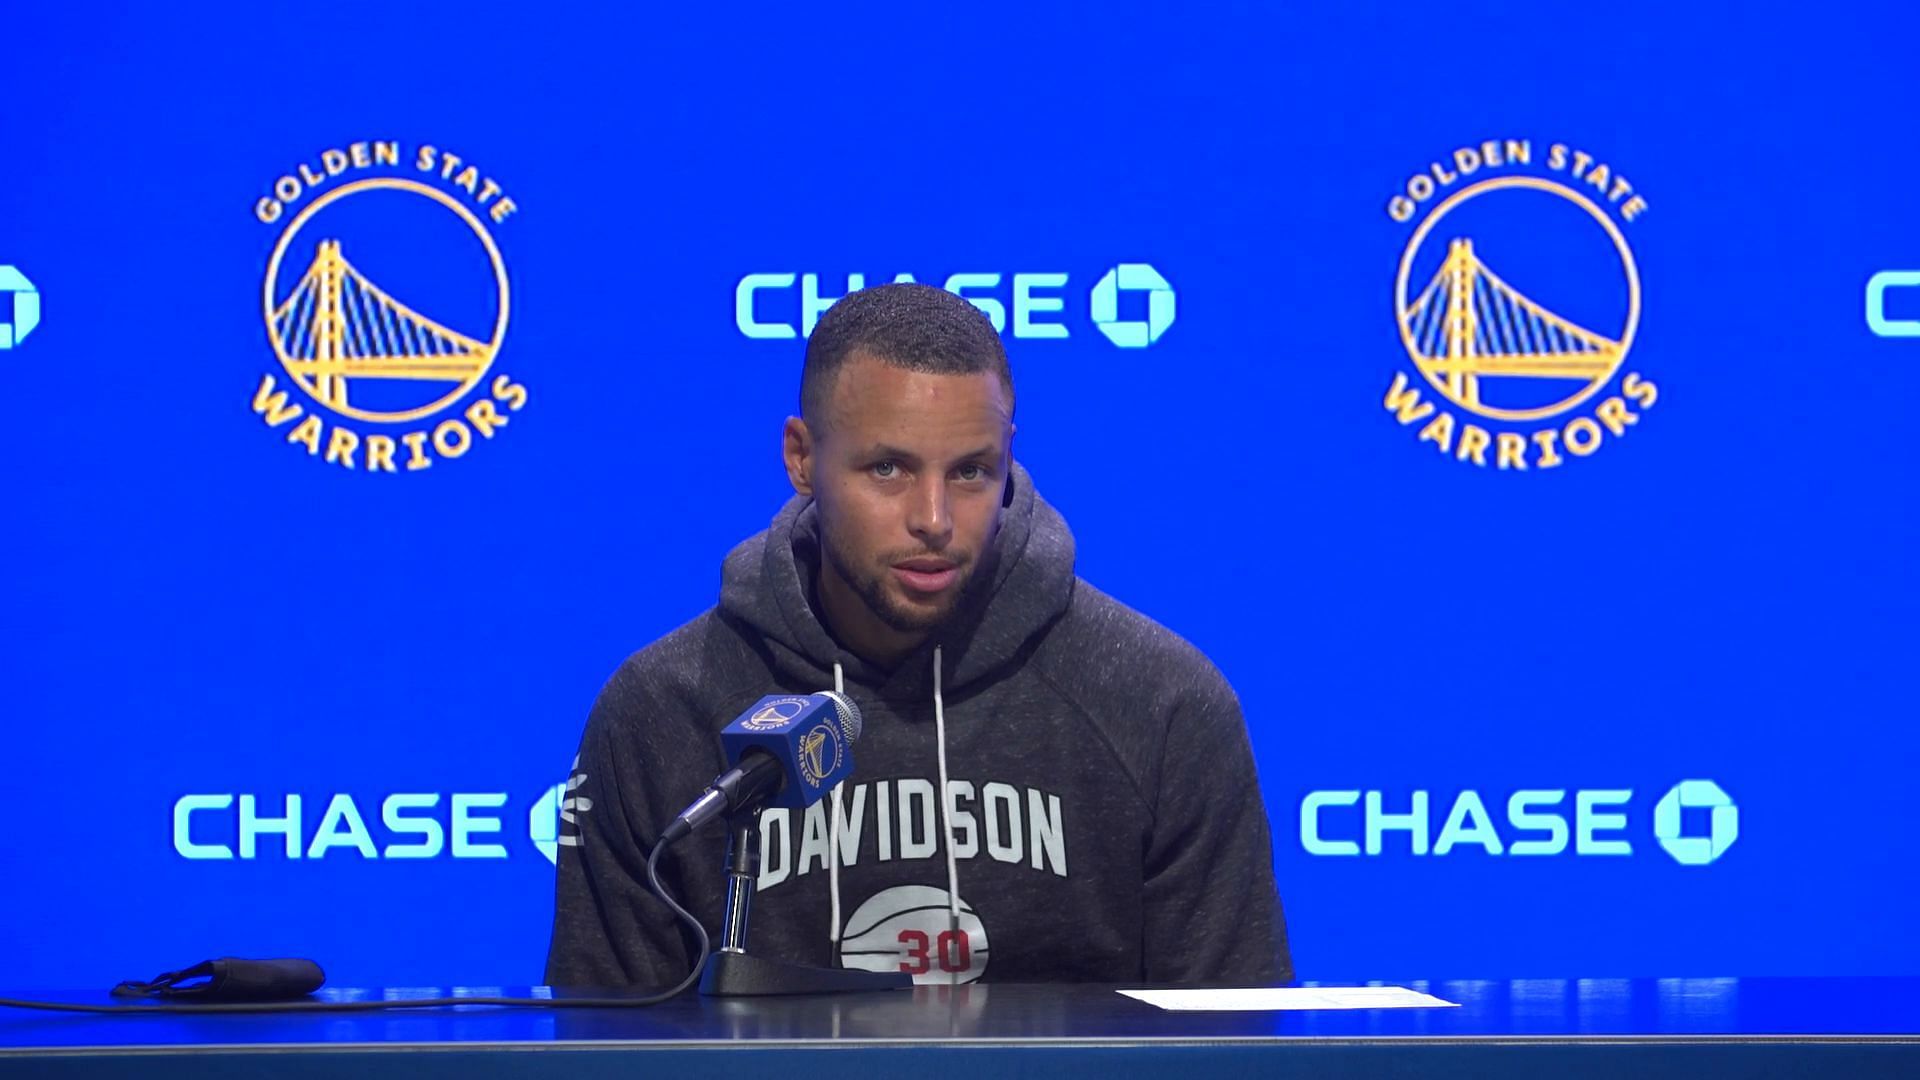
(1612, 1011)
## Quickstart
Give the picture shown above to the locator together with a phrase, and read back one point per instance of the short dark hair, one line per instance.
(905, 325)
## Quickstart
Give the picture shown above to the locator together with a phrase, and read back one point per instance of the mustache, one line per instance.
(960, 559)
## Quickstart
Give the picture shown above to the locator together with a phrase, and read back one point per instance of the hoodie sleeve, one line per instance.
(609, 930)
(1212, 913)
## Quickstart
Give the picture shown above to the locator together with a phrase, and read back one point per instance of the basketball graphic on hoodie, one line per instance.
(909, 928)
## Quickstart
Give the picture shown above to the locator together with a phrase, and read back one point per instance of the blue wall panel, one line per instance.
(192, 605)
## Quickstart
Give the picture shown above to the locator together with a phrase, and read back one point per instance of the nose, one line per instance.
(928, 516)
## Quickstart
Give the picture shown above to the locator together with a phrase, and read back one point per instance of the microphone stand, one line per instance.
(733, 972)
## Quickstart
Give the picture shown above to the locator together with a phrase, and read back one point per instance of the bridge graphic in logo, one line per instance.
(336, 325)
(1467, 325)
(819, 754)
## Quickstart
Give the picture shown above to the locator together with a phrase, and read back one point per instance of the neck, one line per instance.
(863, 633)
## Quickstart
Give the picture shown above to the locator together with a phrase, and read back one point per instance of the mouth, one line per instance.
(926, 576)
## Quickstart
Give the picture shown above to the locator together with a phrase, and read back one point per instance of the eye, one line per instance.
(971, 473)
(884, 470)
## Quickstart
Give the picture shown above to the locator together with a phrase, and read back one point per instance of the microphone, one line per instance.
(786, 751)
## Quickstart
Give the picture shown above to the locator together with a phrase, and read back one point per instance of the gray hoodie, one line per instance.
(1105, 823)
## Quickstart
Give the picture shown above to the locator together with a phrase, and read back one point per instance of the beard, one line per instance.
(874, 587)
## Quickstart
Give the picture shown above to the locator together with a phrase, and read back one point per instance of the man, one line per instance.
(1104, 822)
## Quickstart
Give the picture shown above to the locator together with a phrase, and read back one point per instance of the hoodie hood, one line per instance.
(766, 581)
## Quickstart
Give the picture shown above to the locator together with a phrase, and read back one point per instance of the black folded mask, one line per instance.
(232, 979)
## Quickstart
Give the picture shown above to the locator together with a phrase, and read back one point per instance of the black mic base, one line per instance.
(731, 974)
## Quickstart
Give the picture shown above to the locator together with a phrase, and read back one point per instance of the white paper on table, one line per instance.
(1291, 997)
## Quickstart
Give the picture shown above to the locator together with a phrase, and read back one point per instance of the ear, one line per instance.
(797, 451)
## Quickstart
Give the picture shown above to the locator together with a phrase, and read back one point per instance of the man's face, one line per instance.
(908, 475)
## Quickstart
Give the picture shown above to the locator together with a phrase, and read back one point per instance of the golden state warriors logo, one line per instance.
(775, 715)
(819, 753)
(1518, 301)
(386, 302)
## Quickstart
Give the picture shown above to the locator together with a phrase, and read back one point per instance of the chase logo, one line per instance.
(1131, 304)
(1517, 302)
(1535, 822)
(1879, 320)
(403, 825)
(19, 307)
(385, 301)
(1133, 333)
(1696, 850)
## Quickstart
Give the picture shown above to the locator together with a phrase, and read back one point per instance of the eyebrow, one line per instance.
(883, 450)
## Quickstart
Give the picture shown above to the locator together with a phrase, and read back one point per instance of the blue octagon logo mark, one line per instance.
(1696, 850)
(19, 307)
(1133, 333)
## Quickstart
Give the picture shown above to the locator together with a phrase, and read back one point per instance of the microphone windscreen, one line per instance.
(849, 713)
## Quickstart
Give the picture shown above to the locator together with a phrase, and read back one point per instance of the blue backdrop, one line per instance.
(1191, 224)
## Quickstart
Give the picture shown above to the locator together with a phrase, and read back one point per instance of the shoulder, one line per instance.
(1133, 681)
(1104, 649)
(683, 675)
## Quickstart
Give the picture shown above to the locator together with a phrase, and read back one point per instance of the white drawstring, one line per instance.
(833, 834)
(946, 801)
(946, 813)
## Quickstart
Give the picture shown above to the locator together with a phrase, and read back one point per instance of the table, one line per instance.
(1564, 1028)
